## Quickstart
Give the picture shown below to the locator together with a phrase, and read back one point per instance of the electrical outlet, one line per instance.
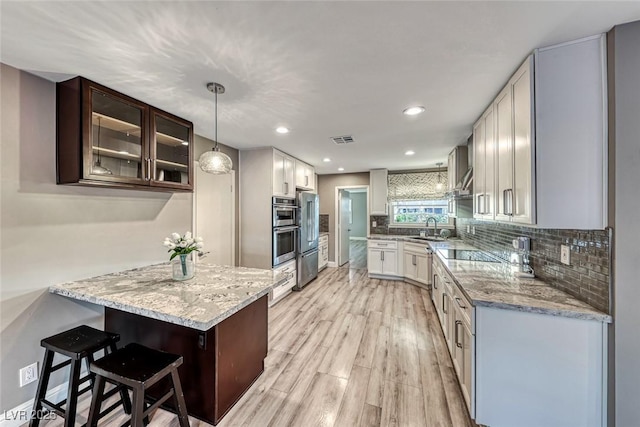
(28, 374)
(565, 255)
(374, 224)
(473, 230)
(468, 228)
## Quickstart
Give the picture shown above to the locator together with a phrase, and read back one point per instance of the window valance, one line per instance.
(416, 186)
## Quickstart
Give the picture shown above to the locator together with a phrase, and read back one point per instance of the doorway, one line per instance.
(214, 215)
(352, 226)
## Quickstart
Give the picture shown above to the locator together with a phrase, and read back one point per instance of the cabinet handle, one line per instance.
(458, 322)
(306, 181)
(459, 303)
(382, 244)
(435, 282)
(486, 202)
(444, 310)
(148, 169)
(153, 170)
(286, 188)
(413, 259)
(382, 253)
(479, 204)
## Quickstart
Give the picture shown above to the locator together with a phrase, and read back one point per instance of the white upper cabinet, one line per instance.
(305, 176)
(283, 175)
(483, 166)
(571, 134)
(522, 199)
(550, 141)
(379, 191)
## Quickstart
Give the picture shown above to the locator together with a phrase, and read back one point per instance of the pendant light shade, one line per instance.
(215, 161)
(97, 168)
(439, 185)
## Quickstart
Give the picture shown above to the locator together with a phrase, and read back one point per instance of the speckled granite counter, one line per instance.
(492, 285)
(215, 293)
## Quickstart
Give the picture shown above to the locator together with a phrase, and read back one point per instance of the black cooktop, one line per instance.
(467, 255)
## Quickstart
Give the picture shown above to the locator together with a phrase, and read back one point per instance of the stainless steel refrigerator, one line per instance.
(308, 220)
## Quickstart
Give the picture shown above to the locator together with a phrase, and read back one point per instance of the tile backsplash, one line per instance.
(587, 278)
(324, 223)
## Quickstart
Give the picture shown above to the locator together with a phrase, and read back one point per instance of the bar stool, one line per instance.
(138, 367)
(77, 344)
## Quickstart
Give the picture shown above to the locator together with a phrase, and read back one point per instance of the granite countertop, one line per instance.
(491, 284)
(215, 293)
(405, 238)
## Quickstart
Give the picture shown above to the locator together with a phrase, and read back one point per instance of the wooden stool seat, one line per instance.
(79, 343)
(138, 367)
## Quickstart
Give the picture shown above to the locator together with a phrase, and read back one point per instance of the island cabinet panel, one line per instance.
(220, 364)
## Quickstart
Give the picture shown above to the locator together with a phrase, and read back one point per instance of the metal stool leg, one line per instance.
(45, 373)
(178, 397)
(72, 394)
(96, 402)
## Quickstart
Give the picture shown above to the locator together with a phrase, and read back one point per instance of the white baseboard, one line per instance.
(331, 264)
(357, 238)
(22, 413)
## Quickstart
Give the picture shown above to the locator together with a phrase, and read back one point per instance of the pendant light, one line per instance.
(439, 186)
(97, 168)
(215, 161)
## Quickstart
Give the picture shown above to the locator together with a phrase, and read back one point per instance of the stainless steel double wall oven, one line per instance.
(285, 229)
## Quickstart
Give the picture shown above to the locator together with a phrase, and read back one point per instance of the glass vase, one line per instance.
(182, 268)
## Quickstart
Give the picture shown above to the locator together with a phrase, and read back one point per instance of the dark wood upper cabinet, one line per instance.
(106, 138)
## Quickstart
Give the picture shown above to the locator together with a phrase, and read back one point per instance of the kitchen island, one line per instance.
(217, 321)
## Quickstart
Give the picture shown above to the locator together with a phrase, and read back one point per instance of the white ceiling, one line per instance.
(321, 68)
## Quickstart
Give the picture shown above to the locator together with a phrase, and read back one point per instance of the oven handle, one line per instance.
(279, 230)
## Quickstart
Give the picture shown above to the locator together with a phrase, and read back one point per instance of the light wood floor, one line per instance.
(347, 351)
(358, 254)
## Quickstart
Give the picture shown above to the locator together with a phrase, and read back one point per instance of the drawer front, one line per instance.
(463, 304)
(415, 248)
(383, 244)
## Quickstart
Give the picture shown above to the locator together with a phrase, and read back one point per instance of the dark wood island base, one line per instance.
(220, 364)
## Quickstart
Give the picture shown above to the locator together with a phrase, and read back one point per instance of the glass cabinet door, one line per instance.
(171, 151)
(117, 143)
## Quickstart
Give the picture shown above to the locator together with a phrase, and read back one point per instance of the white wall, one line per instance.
(627, 227)
(51, 234)
(360, 219)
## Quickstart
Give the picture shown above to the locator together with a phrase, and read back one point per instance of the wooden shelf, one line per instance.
(115, 124)
(117, 154)
(165, 139)
(173, 164)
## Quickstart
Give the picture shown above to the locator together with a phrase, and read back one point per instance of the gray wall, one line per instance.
(327, 191)
(203, 144)
(360, 219)
(51, 234)
(625, 111)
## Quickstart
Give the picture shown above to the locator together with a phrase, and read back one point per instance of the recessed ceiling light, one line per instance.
(185, 142)
(282, 129)
(409, 153)
(340, 169)
(412, 111)
(326, 160)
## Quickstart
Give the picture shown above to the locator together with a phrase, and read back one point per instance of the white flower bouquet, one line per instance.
(183, 246)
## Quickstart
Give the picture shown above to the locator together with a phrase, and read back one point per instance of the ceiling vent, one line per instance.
(345, 139)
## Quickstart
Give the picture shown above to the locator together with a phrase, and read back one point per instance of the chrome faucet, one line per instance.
(435, 225)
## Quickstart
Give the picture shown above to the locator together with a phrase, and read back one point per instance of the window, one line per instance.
(416, 196)
(415, 212)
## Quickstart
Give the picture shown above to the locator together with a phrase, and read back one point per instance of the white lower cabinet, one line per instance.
(519, 368)
(382, 258)
(287, 269)
(416, 263)
(323, 246)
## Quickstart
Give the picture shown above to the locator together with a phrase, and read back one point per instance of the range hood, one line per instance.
(464, 187)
